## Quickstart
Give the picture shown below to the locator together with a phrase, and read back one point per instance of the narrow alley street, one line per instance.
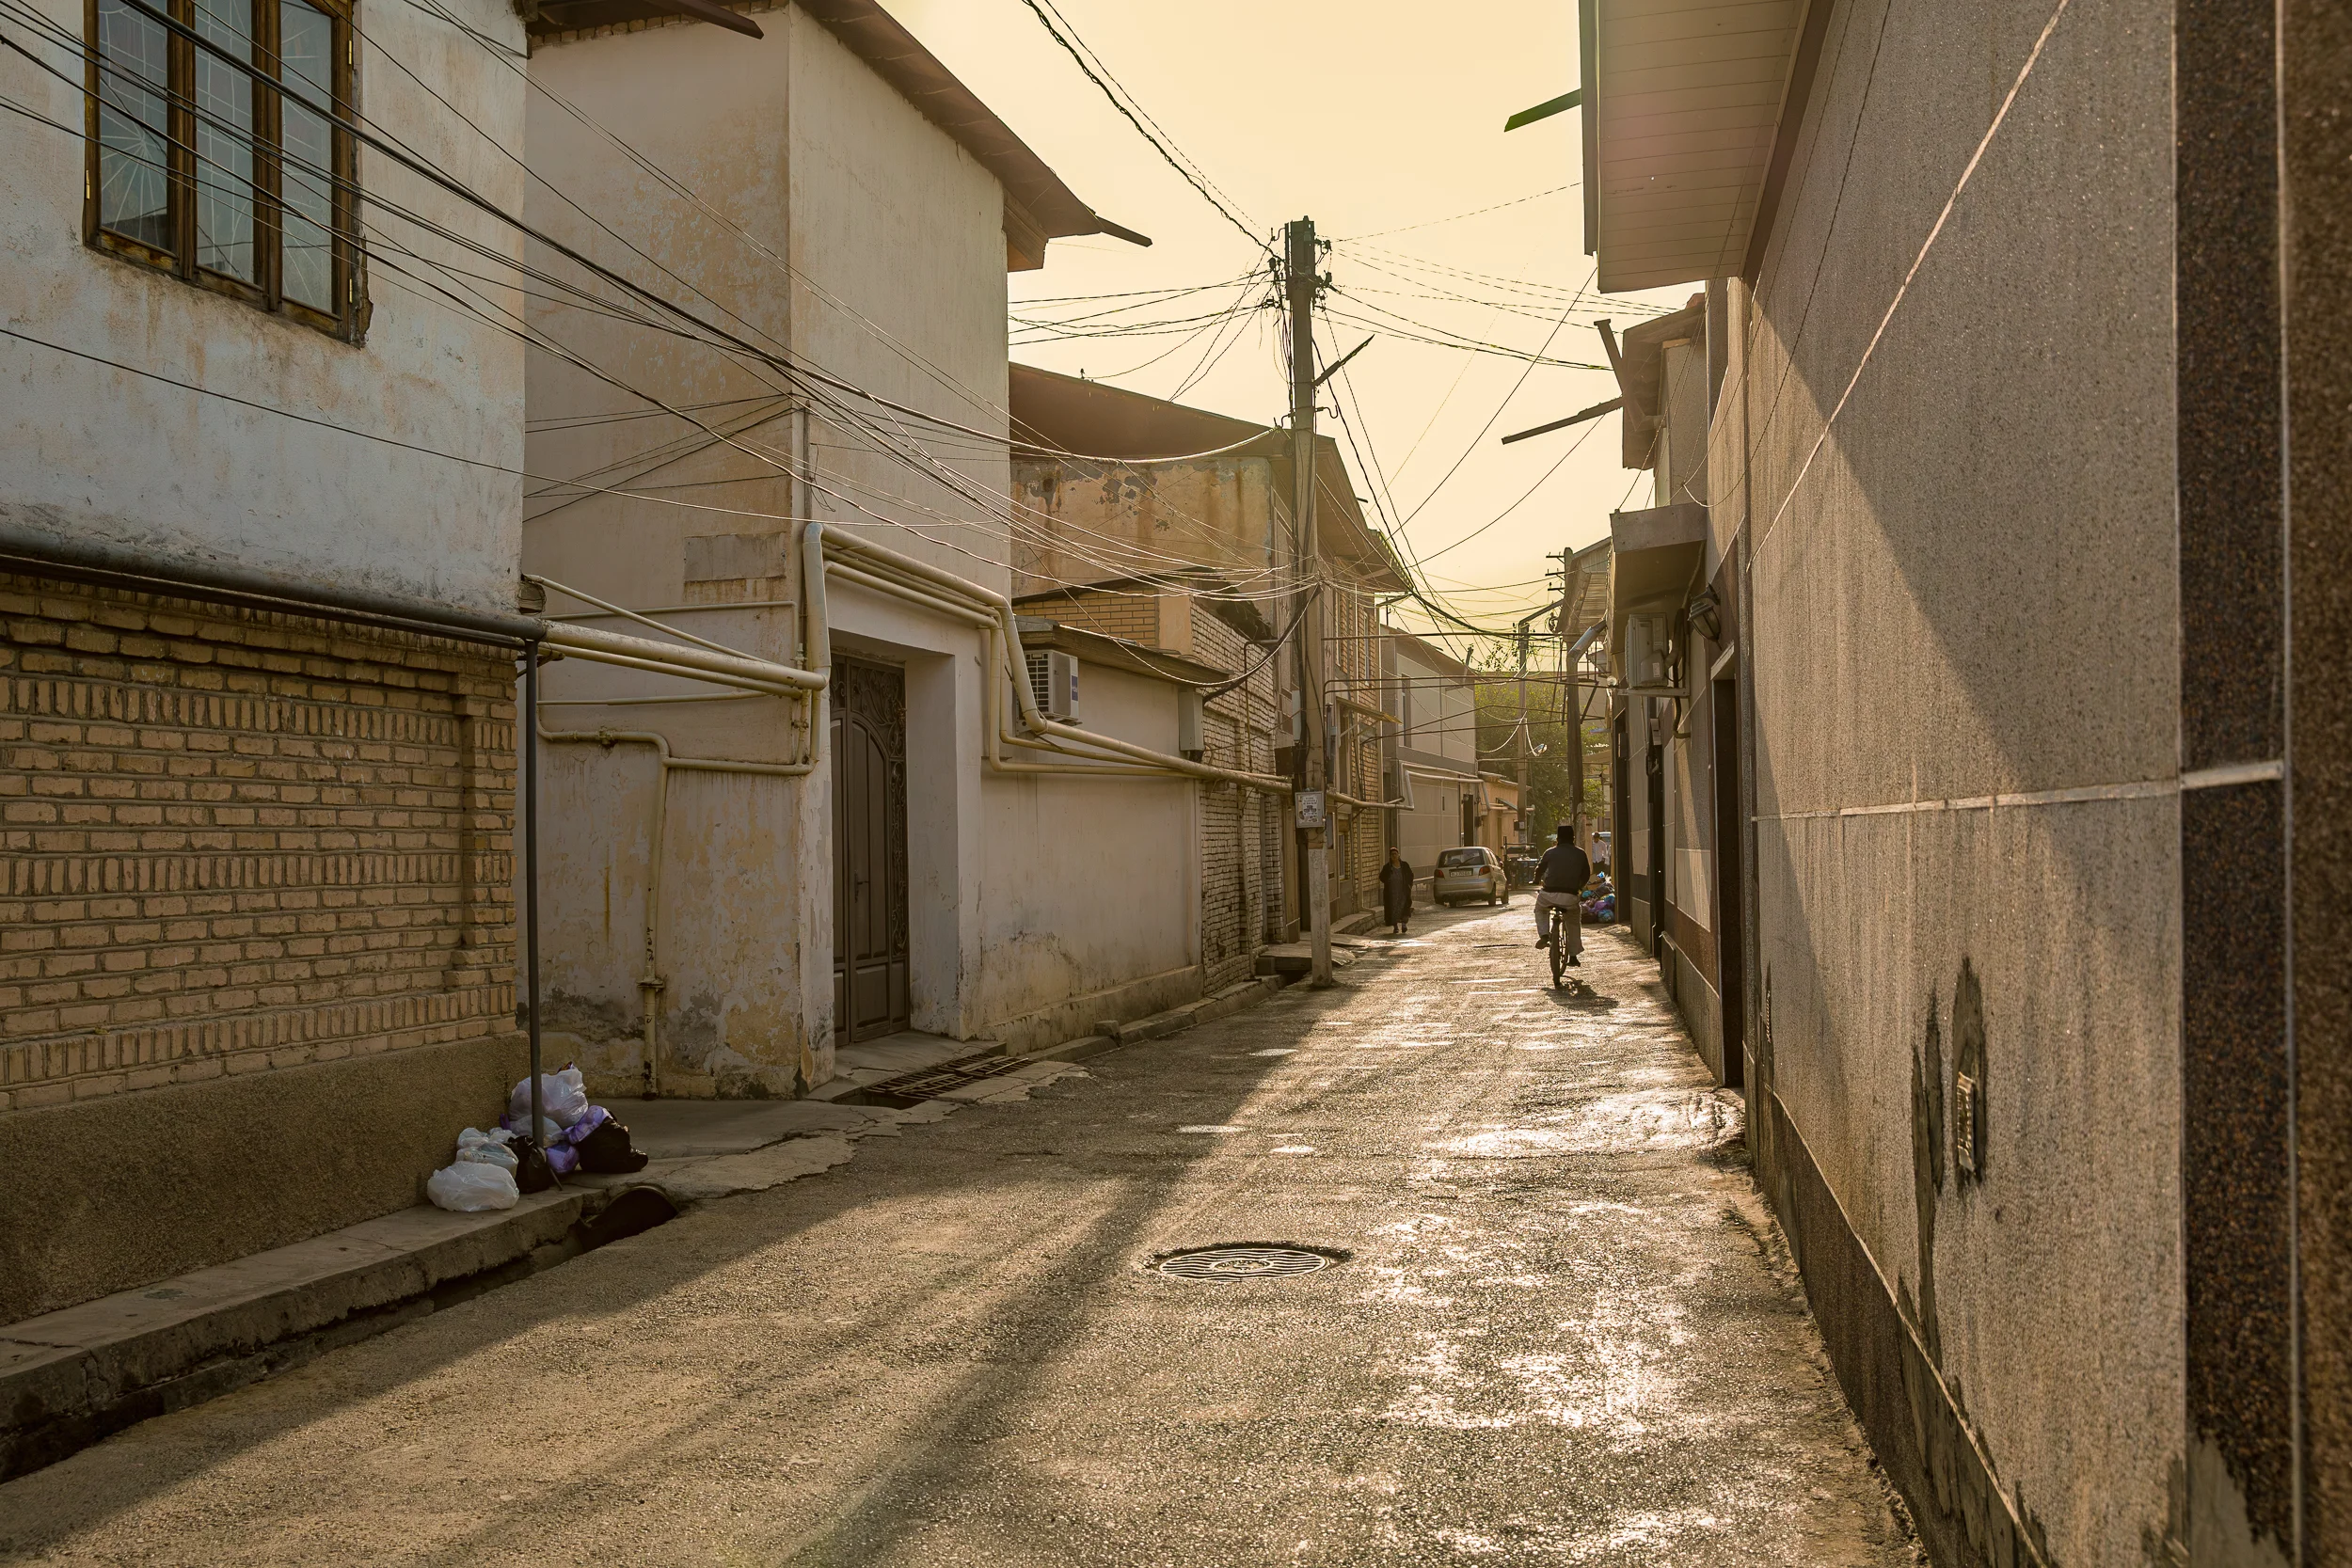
(1564, 1330)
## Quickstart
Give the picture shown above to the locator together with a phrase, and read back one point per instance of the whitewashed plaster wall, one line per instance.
(105, 453)
(872, 245)
(710, 108)
(1087, 884)
(898, 249)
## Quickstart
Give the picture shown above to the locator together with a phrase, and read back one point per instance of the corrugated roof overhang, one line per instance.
(1655, 555)
(1641, 366)
(1585, 601)
(1685, 134)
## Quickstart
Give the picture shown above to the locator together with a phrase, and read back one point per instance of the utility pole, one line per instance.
(1522, 729)
(1302, 281)
(1571, 594)
(1526, 841)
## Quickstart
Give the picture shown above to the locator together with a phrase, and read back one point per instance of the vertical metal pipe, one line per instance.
(528, 808)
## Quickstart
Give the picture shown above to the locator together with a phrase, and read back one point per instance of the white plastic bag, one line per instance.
(562, 1098)
(479, 1148)
(469, 1186)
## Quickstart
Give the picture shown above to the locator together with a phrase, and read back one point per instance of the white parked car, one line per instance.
(1468, 873)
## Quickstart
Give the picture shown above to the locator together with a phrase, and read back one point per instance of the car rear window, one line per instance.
(1455, 857)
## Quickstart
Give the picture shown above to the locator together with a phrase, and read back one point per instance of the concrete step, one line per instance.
(1290, 959)
(856, 1067)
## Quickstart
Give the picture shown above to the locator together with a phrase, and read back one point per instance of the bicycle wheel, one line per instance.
(1559, 951)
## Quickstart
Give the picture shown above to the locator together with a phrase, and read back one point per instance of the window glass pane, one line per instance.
(133, 182)
(224, 141)
(307, 64)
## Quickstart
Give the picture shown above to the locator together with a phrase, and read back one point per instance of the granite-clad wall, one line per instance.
(2053, 1032)
(2236, 1062)
(2265, 295)
(1967, 680)
(2318, 159)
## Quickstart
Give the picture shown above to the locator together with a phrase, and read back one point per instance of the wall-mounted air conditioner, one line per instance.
(1645, 650)
(1054, 684)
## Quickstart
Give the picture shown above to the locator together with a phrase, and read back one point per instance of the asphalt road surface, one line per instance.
(1561, 1330)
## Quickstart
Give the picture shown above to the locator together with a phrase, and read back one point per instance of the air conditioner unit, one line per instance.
(1054, 684)
(1645, 650)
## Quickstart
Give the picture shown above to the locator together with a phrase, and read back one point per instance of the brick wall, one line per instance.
(1132, 616)
(239, 840)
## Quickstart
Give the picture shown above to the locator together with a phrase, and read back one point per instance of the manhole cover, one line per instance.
(1244, 1262)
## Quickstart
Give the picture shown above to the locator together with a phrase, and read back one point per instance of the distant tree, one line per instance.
(1551, 775)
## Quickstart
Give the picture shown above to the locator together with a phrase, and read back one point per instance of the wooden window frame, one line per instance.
(266, 292)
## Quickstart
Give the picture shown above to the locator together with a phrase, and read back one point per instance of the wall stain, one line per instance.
(1927, 1174)
(1959, 1482)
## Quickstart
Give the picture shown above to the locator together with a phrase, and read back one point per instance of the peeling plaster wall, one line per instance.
(1973, 592)
(846, 229)
(1218, 512)
(101, 454)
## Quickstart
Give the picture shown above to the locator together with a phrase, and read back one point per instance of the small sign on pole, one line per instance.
(1310, 808)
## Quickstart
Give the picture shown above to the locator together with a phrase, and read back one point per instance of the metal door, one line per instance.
(870, 850)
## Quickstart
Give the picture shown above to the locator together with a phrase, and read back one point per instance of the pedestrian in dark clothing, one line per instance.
(1396, 893)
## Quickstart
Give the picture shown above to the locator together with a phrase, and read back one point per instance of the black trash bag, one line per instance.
(532, 1172)
(607, 1151)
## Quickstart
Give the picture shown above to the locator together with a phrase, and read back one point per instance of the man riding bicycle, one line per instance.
(1560, 879)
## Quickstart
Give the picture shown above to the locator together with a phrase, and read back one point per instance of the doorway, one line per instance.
(1654, 802)
(1730, 903)
(871, 995)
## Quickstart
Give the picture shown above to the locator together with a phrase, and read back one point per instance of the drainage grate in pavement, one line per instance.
(1243, 1262)
(932, 1082)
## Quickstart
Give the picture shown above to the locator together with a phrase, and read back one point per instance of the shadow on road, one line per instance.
(978, 1150)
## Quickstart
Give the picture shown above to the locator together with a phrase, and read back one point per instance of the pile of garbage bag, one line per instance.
(1600, 902)
(494, 1170)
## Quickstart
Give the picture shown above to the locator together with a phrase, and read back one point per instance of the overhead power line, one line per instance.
(1181, 165)
(1475, 212)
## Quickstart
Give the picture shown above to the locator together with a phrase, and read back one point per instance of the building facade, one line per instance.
(744, 883)
(1444, 800)
(2021, 648)
(1130, 501)
(259, 519)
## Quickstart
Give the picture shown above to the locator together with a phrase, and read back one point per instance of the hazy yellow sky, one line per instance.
(1370, 115)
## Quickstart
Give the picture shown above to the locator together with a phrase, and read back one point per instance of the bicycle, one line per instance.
(1557, 950)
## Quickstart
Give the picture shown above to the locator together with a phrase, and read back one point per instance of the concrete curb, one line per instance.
(1232, 999)
(70, 1377)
